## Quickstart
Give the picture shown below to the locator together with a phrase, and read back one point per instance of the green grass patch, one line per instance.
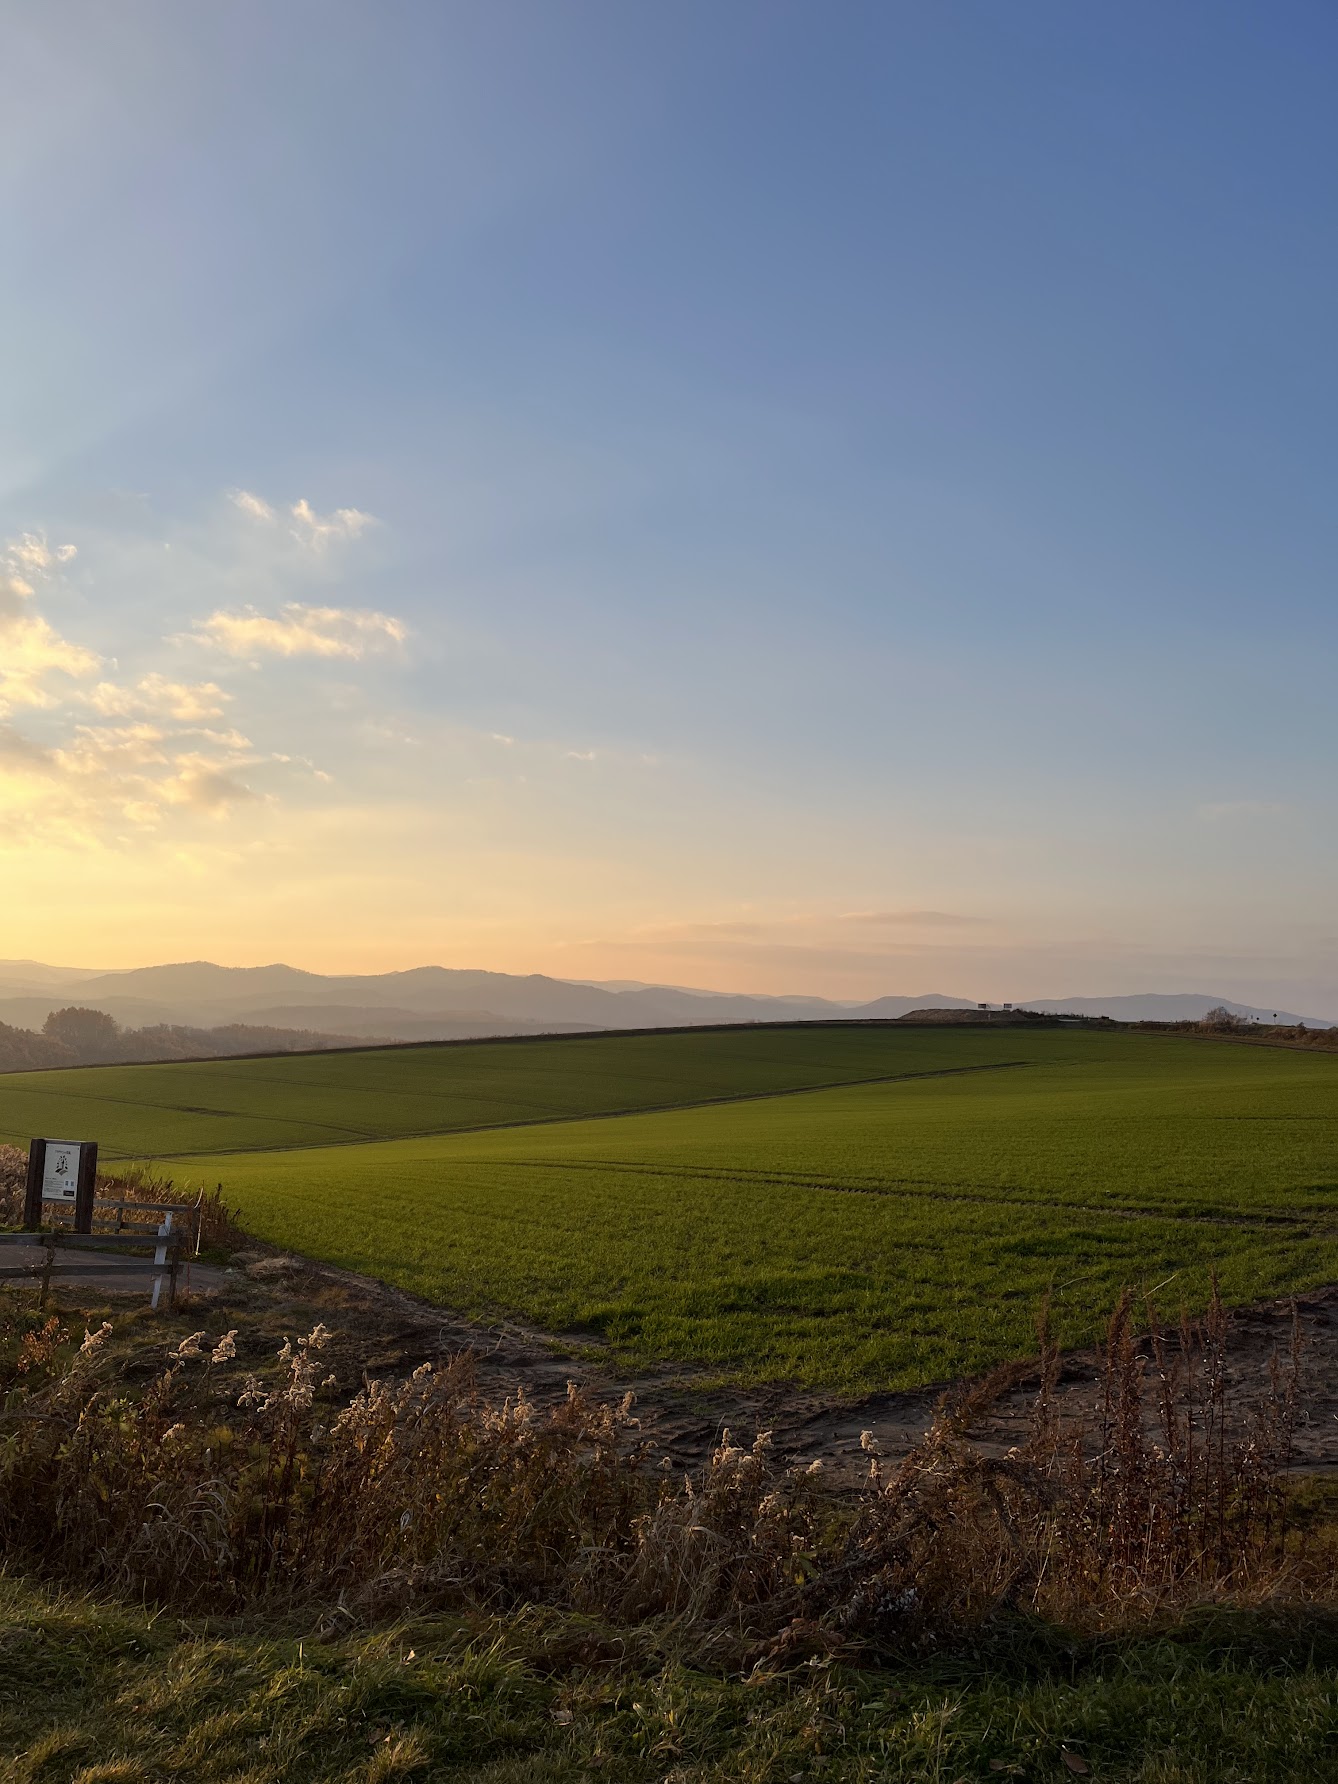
(333, 1098)
(875, 1236)
(95, 1693)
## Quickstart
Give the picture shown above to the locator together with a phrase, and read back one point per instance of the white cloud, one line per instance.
(31, 552)
(30, 647)
(254, 505)
(310, 529)
(205, 785)
(14, 591)
(18, 751)
(94, 752)
(107, 777)
(233, 740)
(29, 650)
(319, 530)
(130, 743)
(157, 696)
(299, 631)
(160, 754)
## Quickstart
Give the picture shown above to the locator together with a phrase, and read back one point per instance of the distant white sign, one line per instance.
(60, 1177)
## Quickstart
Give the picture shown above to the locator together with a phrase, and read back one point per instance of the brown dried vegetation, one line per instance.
(1173, 1495)
(219, 1228)
(422, 1494)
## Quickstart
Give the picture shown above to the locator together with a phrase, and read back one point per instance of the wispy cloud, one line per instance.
(112, 756)
(254, 505)
(671, 934)
(310, 529)
(1225, 810)
(31, 552)
(319, 530)
(911, 919)
(18, 751)
(116, 776)
(205, 785)
(156, 696)
(297, 631)
(30, 647)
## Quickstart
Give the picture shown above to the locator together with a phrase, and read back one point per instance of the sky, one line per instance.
(767, 496)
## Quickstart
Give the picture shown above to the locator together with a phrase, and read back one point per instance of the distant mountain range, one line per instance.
(444, 1003)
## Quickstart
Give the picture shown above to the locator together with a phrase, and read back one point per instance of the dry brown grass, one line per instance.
(1176, 1493)
(422, 1495)
(219, 1226)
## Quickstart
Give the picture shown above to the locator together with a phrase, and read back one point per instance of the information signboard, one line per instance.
(61, 1174)
(60, 1171)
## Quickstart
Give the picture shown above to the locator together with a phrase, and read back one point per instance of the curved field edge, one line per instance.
(291, 1100)
(382, 1093)
(850, 1240)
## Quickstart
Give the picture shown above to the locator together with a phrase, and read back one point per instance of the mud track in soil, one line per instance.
(382, 1333)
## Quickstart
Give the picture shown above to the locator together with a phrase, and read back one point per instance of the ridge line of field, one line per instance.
(371, 1045)
(355, 1134)
(488, 1127)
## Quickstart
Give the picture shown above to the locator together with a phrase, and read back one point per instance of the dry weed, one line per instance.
(422, 1493)
(219, 1226)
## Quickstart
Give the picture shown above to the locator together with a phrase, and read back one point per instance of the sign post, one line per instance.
(61, 1174)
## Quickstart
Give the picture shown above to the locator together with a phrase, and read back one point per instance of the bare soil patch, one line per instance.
(381, 1333)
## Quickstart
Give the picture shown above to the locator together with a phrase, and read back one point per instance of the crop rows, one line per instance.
(869, 1237)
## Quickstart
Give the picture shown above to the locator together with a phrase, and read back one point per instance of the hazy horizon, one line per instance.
(789, 500)
(63, 981)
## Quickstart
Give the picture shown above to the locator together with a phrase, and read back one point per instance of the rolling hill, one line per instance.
(853, 1207)
(442, 1003)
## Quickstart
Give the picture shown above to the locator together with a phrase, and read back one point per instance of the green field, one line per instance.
(897, 1228)
(315, 1099)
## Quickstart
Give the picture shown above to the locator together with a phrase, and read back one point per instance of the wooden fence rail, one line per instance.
(110, 1216)
(90, 1256)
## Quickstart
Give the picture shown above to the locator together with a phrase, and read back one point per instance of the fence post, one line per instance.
(32, 1194)
(86, 1187)
(160, 1258)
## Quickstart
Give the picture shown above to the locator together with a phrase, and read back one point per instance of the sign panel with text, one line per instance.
(62, 1174)
(60, 1171)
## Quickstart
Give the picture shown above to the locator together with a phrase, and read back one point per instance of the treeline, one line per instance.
(77, 1036)
(1247, 1028)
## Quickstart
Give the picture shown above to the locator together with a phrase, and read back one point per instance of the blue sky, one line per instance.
(771, 496)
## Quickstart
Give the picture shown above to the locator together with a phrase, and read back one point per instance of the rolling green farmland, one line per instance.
(313, 1099)
(873, 1208)
(874, 1235)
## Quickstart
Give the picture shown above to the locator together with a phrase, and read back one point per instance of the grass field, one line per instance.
(892, 1230)
(334, 1098)
(105, 1693)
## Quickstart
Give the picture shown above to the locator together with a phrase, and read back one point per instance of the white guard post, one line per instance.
(160, 1259)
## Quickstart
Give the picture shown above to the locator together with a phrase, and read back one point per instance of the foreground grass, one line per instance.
(872, 1237)
(95, 1693)
(425, 1584)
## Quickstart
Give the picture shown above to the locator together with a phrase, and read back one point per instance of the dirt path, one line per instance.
(383, 1333)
